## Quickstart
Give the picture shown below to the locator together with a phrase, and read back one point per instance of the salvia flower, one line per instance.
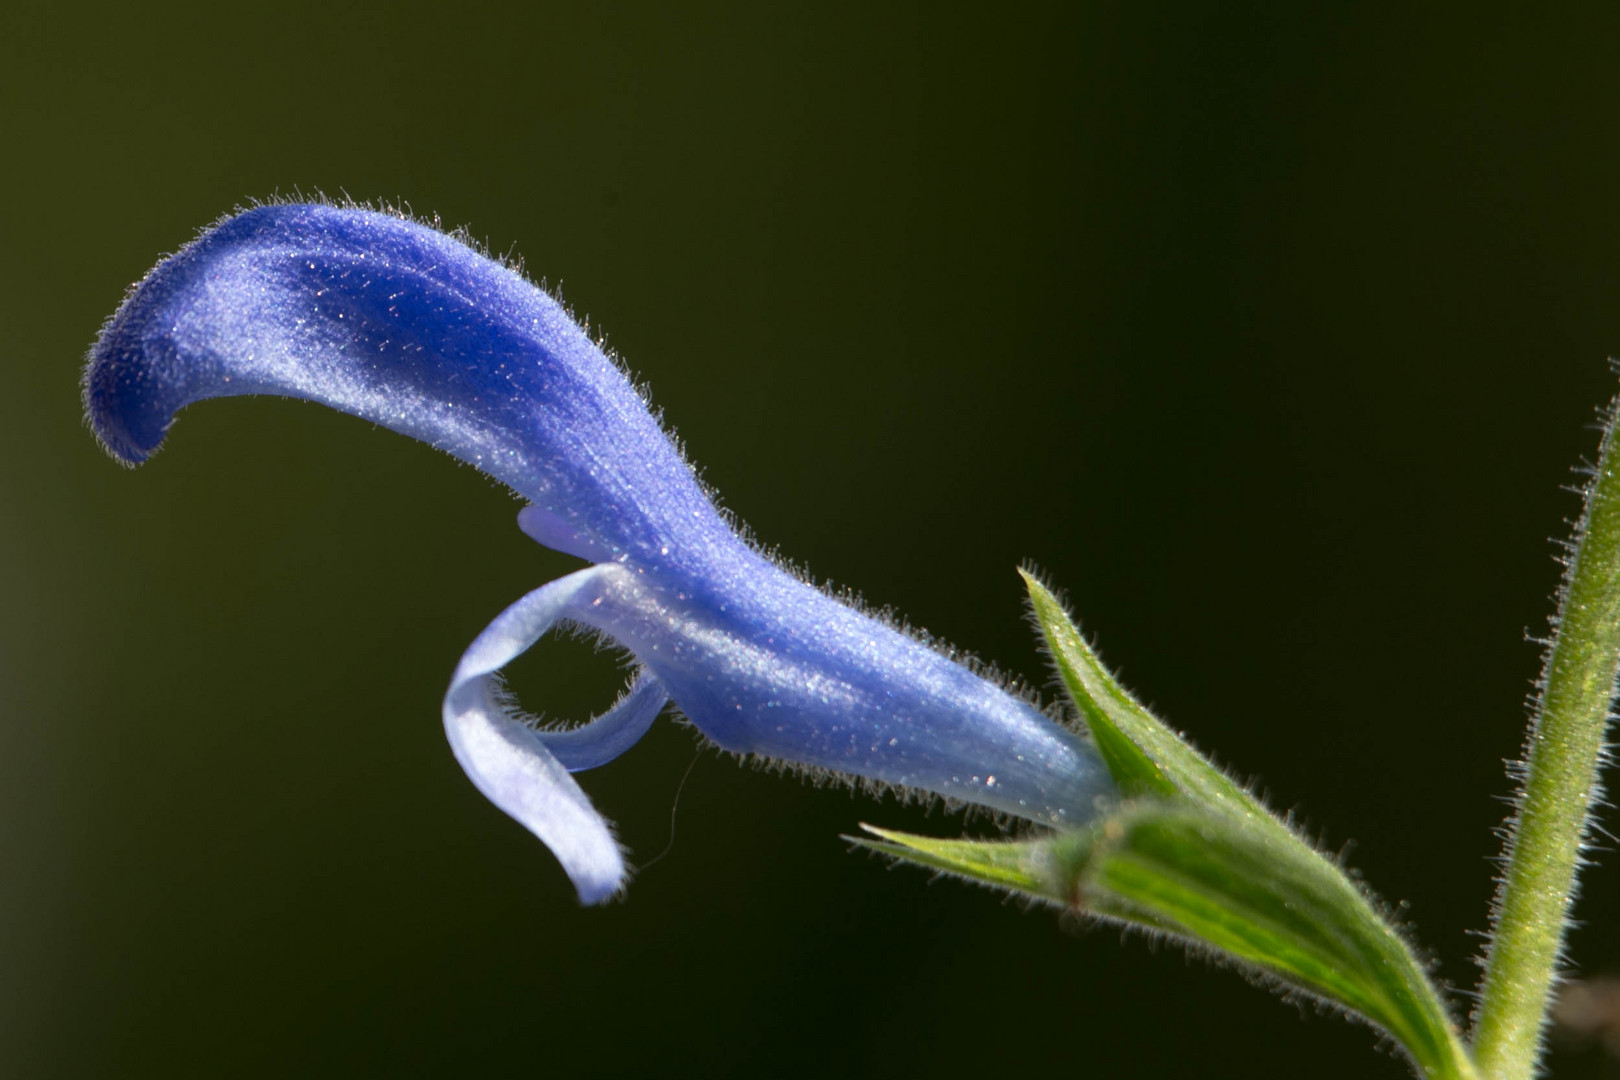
(396, 322)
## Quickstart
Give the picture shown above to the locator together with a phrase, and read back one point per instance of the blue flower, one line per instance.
(396, 322)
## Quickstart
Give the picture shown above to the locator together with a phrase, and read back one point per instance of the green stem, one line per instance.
(1563, 756)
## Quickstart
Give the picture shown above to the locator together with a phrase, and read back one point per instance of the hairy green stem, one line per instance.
(1562, 759)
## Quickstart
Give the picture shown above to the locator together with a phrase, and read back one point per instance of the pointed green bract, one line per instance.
(1017, 865)
(1144, 754)
(1047, 869)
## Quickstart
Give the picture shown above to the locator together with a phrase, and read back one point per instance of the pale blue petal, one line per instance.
(515, 630)
(509, 763)
(605, 737)
(524, 771)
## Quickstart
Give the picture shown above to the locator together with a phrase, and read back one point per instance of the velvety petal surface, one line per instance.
(390, 320)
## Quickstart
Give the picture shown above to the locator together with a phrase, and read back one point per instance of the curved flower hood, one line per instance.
(390, 320)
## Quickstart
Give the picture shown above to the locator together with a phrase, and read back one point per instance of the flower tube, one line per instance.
(388, 319)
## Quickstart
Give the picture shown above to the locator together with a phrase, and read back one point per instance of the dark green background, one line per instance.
(1269, 333)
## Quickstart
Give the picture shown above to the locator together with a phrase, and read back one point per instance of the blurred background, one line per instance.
(1270, 334)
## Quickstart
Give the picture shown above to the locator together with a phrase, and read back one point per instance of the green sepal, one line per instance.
(1047, 869)
(1250, 889)
(1189, 854)
(1144, 756)
(1019, 865)
(1242, 886)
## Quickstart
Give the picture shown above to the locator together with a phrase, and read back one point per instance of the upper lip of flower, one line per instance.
(387, 319)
